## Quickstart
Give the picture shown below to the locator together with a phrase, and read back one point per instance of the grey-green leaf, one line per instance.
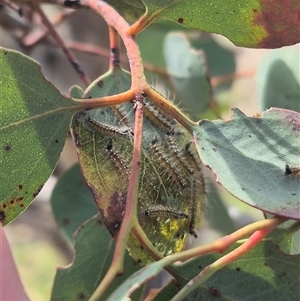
(251, 157)
(188, 72)
(278, 80)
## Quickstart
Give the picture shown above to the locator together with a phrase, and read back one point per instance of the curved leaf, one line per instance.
(188, 71)
(34, 120)
(279, 80)
(264, 273)
(250, 157)
(171, 182)
(72, 202)
(255, 23)
(94, 249)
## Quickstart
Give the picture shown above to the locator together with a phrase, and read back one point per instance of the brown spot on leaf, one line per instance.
(100, 83)
(80, 296)
(38, 191)
(7, 147)
(65, 221)
(20, 186)
(56, 140)
(215, 292)
(180, 20)
(114, 212)
(2, 216)
(238, 269)
(4, 206)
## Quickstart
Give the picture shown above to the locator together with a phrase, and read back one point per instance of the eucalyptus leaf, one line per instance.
(34, 121)
(188, 71)
(94, 249)
(255, 23)
(71, 201)
(278, 80)
(171, 187)
(264, 273)
(252, 157)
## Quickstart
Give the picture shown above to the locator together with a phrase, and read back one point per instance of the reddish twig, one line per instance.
(267, 226)
(217, 80)
(114, 42)
(116, 267)
(113, 18)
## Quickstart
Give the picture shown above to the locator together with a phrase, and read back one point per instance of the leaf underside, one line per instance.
(251, 157)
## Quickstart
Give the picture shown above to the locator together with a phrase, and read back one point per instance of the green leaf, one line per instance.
(171, 183)
(135, 281)
(34, 122)
(220, 59)
(249, 156)
(94, 249)
(264, 273)
(72, 202)
(167, 292)
(153, 52)
(255, 23)
(188, 72)
(278, 80)
(217, 213)
(289, 244)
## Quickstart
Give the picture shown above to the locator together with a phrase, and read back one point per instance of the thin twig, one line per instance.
(116, 267)
(13, 6)
(217, 80)
(97, 50)
(114, 19)
(114, 41)
(208, 271)
(170, 108)
(37, 36)
(62, 45)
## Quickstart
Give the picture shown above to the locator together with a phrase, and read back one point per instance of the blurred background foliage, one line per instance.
(204, 74)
